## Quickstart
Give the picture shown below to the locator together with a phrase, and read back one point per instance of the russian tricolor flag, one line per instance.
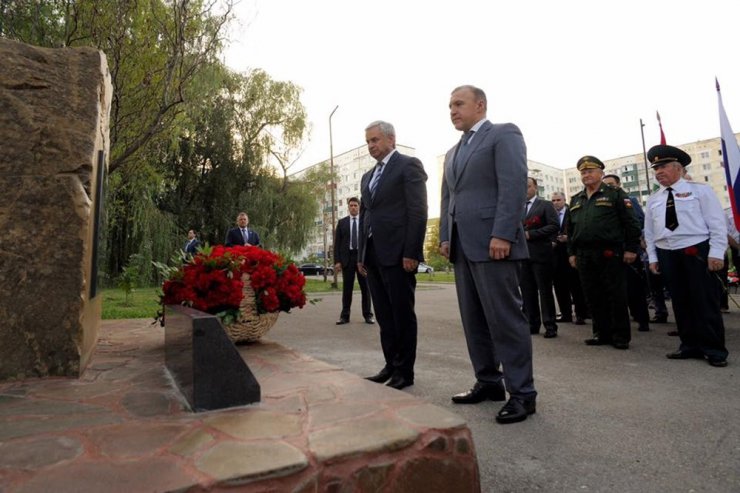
(731, 157)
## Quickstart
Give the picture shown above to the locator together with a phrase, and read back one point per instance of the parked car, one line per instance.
(428, 269)
(315, 270)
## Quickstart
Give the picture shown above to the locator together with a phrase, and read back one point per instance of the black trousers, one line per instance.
(536, 285)
(567, 287)
(393, 291)
(602, 278)
(636, 296)
(695, 295)
(349, 273)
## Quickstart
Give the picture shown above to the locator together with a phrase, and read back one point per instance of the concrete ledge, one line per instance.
(122, 427)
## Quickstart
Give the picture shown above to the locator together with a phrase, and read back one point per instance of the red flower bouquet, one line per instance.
(532, 222)
(212, 282)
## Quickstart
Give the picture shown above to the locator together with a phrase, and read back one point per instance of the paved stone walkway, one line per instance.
(122, 428)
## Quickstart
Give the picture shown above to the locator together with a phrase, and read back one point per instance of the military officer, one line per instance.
(602, 234)
(686, 236)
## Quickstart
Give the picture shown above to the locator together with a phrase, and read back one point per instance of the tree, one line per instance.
(155, 49)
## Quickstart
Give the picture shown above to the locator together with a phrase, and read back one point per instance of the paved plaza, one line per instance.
(607, 420)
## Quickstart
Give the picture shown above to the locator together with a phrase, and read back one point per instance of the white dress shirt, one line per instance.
(700, 217)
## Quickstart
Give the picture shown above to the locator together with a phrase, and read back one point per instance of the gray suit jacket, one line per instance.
(484, 197)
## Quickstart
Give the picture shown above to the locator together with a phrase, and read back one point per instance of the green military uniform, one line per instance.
(600, 230)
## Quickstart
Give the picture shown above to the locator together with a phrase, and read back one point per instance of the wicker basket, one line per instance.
(252, 325)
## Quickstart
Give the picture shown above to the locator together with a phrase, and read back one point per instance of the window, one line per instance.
(706, 178)
(704, 154)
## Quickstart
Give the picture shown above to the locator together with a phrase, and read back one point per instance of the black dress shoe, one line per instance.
(516, 410)
(399, 382)
(369, 320)
(479, 393)
(684, 355)
(342, 321)
(621, 345)
(659, 319)
(382, 376)
(563, 319)
(579, 321)
(550, 333)
(596, 341)
(719, 363)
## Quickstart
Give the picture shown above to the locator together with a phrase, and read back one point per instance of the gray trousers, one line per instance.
(496, 329)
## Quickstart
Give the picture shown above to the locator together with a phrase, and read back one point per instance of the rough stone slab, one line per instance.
(257, 424)
(14, 428)
(44, 407)
(431, 416)
(191, 443)
(111, 477)
(133, 439)
(432, 475)
(38, 453)
(236, 463)
(345, 439)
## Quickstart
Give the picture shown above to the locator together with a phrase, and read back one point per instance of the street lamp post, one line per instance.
(644, 158)
(333, 198)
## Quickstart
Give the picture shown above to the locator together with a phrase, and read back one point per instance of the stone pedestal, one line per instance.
(54, 110)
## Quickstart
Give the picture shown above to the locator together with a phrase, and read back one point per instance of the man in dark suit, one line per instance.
(191, 246)
(540, 227)
(346, 246)
(393, 215)
(242, 235)
(567, 286)
(481, 232)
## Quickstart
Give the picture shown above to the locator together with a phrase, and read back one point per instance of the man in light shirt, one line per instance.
(686, 236)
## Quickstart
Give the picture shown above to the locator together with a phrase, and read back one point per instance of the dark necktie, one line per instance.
(376, 177)
(671, 218)
(462, 148)
(353, 235)
(245, 236)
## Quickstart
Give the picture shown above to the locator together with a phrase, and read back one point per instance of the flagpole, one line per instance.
(644, 158)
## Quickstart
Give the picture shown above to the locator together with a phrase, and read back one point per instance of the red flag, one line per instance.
(662, 135)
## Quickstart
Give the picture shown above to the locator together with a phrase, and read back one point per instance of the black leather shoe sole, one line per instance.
(683, 355)
(399, 383)
(342, 321)
(515, 410)
(370, 320)
(381, 377)
(549, 334)
(480, 393)
(621, 345)
(719, 363)
(595, 341)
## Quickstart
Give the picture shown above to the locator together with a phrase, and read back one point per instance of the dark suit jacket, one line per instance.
(342, 239)
(397, 213)
(191, 246)
(234, 237)
(541, 223)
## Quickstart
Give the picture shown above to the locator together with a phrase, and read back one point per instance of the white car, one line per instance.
(425, 268)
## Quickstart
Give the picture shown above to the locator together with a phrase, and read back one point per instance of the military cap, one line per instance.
(587, 162)
(662, 154)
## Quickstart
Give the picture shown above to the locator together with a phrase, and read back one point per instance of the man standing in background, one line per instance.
(346, 246)
(242, 235)
(686, 236)
(540, 228)
(484, 188)
(565, 278)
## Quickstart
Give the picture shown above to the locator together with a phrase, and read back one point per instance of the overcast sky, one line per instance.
(576, 76)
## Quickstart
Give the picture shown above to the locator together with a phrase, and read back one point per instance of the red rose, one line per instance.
(691, 251)
(608, 253)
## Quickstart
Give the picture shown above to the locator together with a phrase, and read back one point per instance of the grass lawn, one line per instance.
(144, 302)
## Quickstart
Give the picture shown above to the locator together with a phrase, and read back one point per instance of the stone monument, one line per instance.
(54, 115)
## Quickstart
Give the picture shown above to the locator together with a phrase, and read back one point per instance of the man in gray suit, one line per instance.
(483, 190)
